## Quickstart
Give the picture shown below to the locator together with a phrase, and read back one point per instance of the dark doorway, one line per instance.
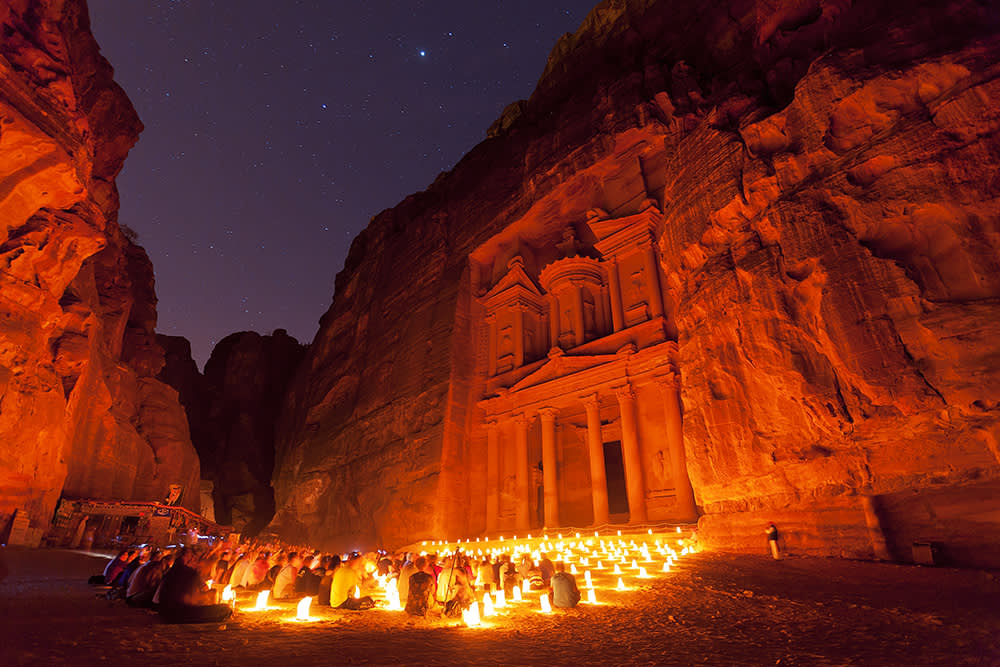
(614, 467)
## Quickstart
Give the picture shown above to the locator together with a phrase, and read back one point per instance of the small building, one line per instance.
(88, 523)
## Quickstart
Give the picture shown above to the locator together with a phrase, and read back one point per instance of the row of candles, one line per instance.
(616, 552)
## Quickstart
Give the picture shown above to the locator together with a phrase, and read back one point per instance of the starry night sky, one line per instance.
(276, 130)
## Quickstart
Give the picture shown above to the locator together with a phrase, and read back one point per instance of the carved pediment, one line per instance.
(560, 365)
(515, 287)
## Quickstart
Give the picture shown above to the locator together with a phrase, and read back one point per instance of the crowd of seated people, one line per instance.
(176, 582)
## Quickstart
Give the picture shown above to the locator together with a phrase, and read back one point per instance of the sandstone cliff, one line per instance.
(233, 409)
(81, 413)
(826, 172)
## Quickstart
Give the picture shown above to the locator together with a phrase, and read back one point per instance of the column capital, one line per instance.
(491, 317)
(492, 424)
(522, 419)
(625, 392)
(669, 381)
(592, 401)
(548, 414)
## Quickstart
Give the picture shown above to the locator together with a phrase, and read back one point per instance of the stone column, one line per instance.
(553, 321)
(634, 482)
(492, 476)
(518, 336)
(670, 391)
(605, 314)
(491, 322)
(550, 480)
(523, 477)
(617, 313)
(578, 313)
(653, 292)
(598, 472)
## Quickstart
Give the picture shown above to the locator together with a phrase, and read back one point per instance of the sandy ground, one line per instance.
(717, 609)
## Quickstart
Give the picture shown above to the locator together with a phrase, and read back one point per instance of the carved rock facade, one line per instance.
(808, 254)
(81, 413)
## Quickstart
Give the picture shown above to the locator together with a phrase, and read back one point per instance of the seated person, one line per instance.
(284, 582)
(329, 567)
(183, 595)
(565, 594)
(143, 584)
(309, 578)
(420, 593)
(454, 592)
(345, 580)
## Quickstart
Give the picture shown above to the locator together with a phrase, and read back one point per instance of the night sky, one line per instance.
(276, 130)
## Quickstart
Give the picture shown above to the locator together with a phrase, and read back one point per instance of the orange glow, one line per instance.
(546, 607)
(471, 615)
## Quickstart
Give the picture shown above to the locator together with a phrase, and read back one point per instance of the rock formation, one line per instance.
(233, 409)
(81, 413)
(818, 177)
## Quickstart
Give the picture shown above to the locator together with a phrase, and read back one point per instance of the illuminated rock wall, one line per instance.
(80, 411)
(829, 252)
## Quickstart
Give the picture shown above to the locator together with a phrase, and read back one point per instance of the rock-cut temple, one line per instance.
(581, 411)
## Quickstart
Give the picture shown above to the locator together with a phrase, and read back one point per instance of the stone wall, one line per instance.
(81, 412)
(829, 241)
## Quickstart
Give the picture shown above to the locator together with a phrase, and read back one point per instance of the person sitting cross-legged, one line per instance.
(565, 593)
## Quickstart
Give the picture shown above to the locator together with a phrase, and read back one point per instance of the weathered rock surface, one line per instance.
(827, 176)
(81, 412)
(233, 409)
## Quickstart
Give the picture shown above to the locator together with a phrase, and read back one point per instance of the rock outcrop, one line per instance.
(233, 409)
(81, 413)
(823, 174)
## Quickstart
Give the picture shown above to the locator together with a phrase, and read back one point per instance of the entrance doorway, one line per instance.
(614, 468)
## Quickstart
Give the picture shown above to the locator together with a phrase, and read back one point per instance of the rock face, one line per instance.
(233, 409)
(82, 413)
(820, 177)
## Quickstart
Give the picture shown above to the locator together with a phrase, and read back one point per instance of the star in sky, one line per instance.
(267, 125)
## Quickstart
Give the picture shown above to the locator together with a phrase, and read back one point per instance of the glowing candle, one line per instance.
(599, 566)
(635, 566)
(572, 569)
(642, 573)
(666, 566)
(546, 607)
(357, 592)
(618, 570)
(517, 594)
(501, 599)
(678, 529)
(471, 615)
(591, 596)
(262, 599)
(488, 605)
(392, 596)
(621, 584)
(209, 584)
(588, 579)
(302, 610)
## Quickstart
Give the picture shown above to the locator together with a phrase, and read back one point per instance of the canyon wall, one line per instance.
(233, 410)
(825, 180)
(81, 411)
